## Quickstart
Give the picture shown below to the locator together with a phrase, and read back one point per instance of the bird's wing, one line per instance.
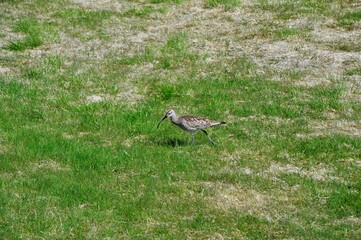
(196, 122)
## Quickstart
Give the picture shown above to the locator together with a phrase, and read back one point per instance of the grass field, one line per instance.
(83, 85)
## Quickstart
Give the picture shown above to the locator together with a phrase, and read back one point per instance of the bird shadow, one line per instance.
(172, 142)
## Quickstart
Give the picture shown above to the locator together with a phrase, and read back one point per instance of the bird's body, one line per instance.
(191, 123)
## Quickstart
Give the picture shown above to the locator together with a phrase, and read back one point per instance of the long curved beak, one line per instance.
(161, 120)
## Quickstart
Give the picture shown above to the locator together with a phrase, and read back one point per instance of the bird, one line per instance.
(191, 123)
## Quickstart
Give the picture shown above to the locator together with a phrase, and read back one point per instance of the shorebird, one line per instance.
(191, 123)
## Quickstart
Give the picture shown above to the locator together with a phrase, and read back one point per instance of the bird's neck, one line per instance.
(174, 119)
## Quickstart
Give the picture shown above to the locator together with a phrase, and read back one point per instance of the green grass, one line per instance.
(349, 19)
(228, 4)
(175, 53)
(286, 32)
(286, 10)
(355, 71)
(278, 33)
(83, 18)
(85, 24)
(286, 165)
(33, 36)
(144, 12)
(348, 47)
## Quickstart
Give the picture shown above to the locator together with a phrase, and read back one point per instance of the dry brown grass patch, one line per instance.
(48, 165)
(332, 127)
(271, 205)
(321, 172)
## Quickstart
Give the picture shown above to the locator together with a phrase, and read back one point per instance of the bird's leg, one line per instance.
(192, 138)
(209, 138)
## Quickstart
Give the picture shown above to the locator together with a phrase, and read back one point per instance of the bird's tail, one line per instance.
(217, 123)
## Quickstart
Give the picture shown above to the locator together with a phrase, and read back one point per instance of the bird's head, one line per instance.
(170, 113)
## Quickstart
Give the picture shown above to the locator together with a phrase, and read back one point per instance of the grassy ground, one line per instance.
(83, 85)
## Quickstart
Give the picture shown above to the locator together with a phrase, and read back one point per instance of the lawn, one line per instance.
(83, 85)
